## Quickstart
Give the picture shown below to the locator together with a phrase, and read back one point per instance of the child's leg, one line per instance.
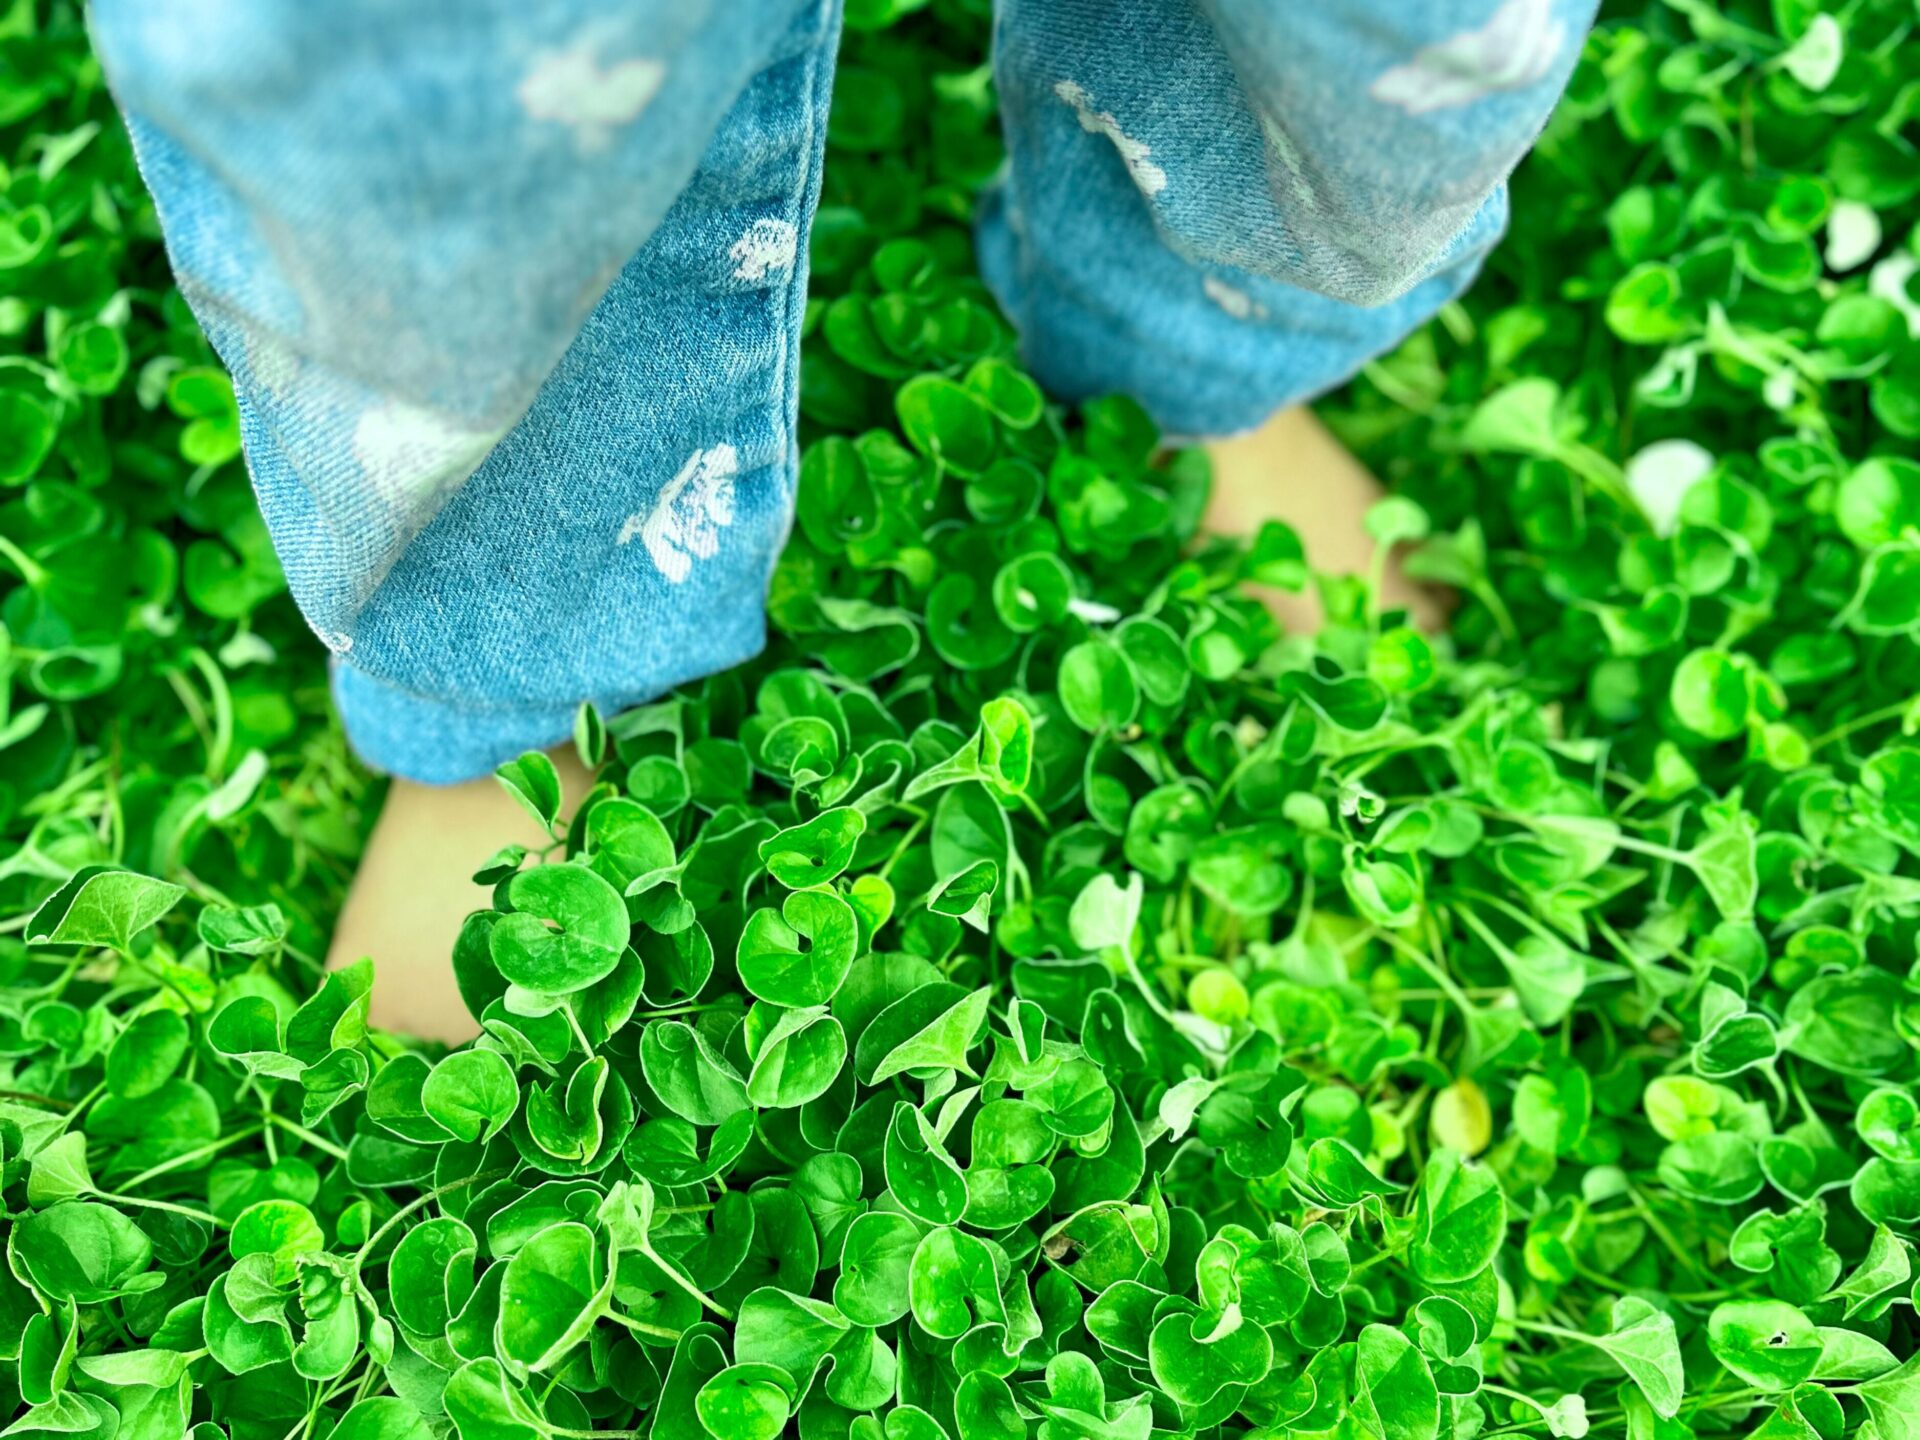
(511, 295)
(1227, 206)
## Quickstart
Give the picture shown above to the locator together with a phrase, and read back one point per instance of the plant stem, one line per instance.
(672, 1272)
(319, 1142)
(1862, 722)
(640, 1327)
(191, 1156)
(1666, 1237)
(27, 1097)
(203, 1216)
(428, 1198)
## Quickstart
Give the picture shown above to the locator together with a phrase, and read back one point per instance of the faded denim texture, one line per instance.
(511, 294)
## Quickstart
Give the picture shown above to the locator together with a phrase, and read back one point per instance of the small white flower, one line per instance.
(1889, 281)
(1514, 49)
(1148, 176)
(1780, 391)
(1815, 57)
(1094, 612)
(411, 454)
(248, 647)
(571, 87)
(1853, 234)
(1659, 477)
(685, 522)
(769, 245)
(1235, 301)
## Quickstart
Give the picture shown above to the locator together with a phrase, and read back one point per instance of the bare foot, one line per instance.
(1292, 469)
(415, 887)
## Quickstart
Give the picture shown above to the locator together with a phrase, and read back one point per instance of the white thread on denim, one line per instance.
(1659, 477)
(1291, 160)
(336, 642)
(685, 522)
(1516, 48)
(1148, 176)
(1235, 301)
(768, 245)
(571, 87)
(409, 453)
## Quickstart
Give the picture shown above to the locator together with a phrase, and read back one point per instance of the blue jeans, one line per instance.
(511, 292)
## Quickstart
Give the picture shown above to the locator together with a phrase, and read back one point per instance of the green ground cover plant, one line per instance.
(1038, 1000)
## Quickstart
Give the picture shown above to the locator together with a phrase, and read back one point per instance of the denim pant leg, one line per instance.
(511, 296)
(1225, 206)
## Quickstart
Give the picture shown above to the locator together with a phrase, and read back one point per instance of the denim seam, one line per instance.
(820, 69)
(673, 613)
(619, 699)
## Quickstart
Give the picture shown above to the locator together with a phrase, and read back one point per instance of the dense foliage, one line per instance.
(1037, 998)
(163, 707)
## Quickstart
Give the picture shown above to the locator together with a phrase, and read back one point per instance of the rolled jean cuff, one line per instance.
(443, 742)
(1079, 350)
(437, 742)
(1208, 351)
